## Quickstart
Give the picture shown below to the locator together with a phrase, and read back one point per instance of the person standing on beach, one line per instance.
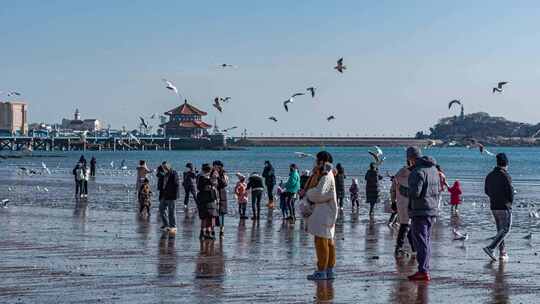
(443, 183)
(255, 185)
(222, 182)
(292, 186)
(78, 174)
(372, 187)
(171, 191)
(340, 185)
(241, 192)
(270, 182)
(321, 223)
(160, 174)
(142, 174)
(423, 192)
(189, 183)
(93, 163)
(207, 197)
(498, 186)
(82, 160)
(400, 189)
(354, 193)
(86, 178)
(455, 196)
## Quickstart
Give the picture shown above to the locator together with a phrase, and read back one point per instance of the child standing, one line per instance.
(145, 197)
(455, 196)
(241, 195)
(354, 194)
(282, 200)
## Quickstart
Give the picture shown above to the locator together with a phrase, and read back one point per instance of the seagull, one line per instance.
(45, 189)
(226, 65)
(44, 166)
(533, 214)
(112, 164)
(153, 116)
(287, 102)
(340, 67)
(377, 155)
(170, 86)
(303, 155)
(528, 236)
(217, 105)
(297, 94)
(312, 91)
(226, 99)
(230, 129)
(13, 93)
(133, 137)
(5, 203)
(272, 118)
(455, 101)
(330, 118)
(458, 236)
(143, 122)
(499, 87)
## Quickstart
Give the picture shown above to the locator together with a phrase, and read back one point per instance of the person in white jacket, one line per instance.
(399, 190)
(321, 193)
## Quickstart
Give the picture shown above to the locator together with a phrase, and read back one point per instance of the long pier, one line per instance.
(331, 141)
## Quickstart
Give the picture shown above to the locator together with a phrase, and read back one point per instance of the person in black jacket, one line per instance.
(160, 174)
(255, 184)
(498, 187)
(372, 186)
(207, 200)
(93, 163)
(190, 184)
(270, 181)
(340, 184)
(171, 191)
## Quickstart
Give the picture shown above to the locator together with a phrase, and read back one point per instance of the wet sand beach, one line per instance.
(89, 255)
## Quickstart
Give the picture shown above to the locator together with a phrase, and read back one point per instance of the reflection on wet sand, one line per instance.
(324, 291)
(403, 291)
(500, 289)
(210, 271)
(167, 257)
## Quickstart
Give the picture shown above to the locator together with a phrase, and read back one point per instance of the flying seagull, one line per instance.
(170, 86)
(330, 118)
(455, 101)
(377, 155)
(340, 67)
(217, 105)
(499, 87)
(13, 93)
(272, 118)
(312, 91)
(143, 122)
(230, 129)
(287, 102)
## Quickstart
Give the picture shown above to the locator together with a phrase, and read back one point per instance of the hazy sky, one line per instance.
(406, 60)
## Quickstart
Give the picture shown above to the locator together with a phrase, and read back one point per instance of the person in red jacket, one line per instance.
(455, 196)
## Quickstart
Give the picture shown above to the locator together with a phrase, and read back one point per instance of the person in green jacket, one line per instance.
(291, 189)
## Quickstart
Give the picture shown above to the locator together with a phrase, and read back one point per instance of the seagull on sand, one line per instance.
(311, 90)
(499, 87)
(44, 166)
(217, 105)
(272, 118)
(330, 118)
(340, 67)
(4, 203)
(377, 155)
(528, 236)
(458, 236)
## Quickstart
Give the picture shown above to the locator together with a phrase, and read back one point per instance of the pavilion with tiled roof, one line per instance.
(185, 121)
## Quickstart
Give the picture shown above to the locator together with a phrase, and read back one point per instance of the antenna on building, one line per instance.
(216, 128)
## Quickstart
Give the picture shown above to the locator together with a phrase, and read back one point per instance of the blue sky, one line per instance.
(406, 60)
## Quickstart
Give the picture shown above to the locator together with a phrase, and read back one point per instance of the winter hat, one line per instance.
(502, 160)
(413, 152)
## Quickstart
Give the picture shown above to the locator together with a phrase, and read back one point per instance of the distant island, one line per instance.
(459, 130)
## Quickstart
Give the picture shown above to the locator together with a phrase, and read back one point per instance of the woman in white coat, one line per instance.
(321, 194)
(400, 186)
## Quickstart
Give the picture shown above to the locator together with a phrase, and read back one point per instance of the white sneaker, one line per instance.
(503, 257)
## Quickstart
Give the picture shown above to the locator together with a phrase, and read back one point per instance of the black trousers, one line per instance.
(404, 231)
(270, 189)
(187, 191)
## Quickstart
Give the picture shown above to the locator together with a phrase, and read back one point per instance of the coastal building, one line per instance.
(78, 124)
(185, 121)
(13, 118)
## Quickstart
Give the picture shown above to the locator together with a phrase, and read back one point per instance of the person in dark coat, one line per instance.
(498, 187)
(189, 183)
(207, 198)
(222, 182)
(340, 184)
(160, 174)
(270, 181)
(423, 193)
(82, 160)
(171, 192)
(255, 185)
(93, 163)
(372, 186)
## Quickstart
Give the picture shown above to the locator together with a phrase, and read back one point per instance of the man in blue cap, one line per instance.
(499, 188)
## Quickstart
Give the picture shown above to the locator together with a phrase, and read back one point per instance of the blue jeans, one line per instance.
(503, 220)
(167, 213)
(421, 232)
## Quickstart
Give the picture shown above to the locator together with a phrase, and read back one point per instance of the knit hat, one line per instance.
(413, 152)
(502, 160)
